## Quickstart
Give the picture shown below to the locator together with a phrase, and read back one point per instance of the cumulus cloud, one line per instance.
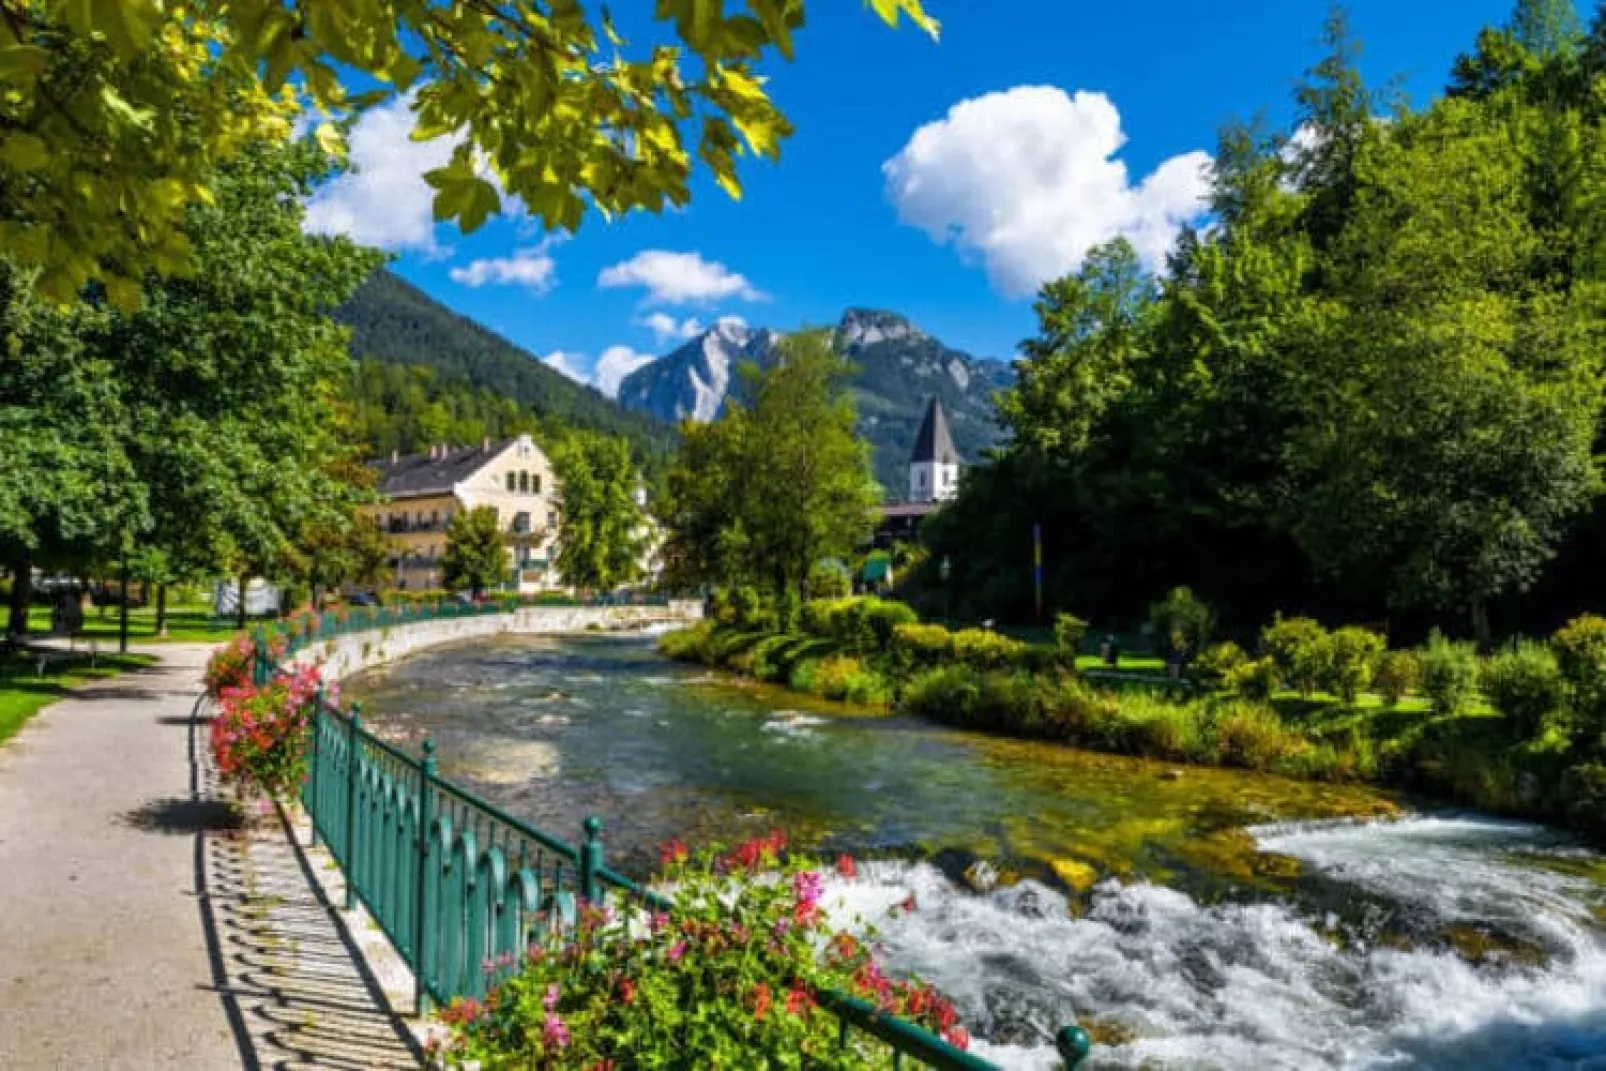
(532, 268)
(678, 278)
(1026, 181)
(570, 364)
(665, 328)
(383, 201)
(614, 365)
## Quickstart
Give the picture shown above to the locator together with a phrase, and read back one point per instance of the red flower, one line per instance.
(958, 1037)
(627, 991)
(673, 852)
(761, 1001)
(846, 868)
(799, 1000)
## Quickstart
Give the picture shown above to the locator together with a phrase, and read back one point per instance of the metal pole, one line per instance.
(122, 618)
(426, 785)
(352, 763)
(591, 861)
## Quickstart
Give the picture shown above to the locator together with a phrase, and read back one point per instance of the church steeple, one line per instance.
(934, 463)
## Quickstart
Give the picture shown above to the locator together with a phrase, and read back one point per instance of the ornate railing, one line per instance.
(458, 885)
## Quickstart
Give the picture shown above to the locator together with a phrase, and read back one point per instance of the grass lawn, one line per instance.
(185, 624)
(22, 694)
(1126, 663)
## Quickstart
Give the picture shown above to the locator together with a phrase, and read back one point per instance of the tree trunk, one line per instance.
(245, 578)
(161, 609)
(21, 590)
(1480, 626)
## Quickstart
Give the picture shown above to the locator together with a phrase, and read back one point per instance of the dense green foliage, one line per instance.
(475, 557)
(1371, 389)
(601, 533)
(458, 381)
(202, 425)
(777, 483)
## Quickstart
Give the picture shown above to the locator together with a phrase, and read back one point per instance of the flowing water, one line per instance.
(1188, 917)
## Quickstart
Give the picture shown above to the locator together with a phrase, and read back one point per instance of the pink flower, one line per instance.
(677, 950)
(808, 886)
(550, 1001)
(555, 1033)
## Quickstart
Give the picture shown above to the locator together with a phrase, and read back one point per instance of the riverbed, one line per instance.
(1190, 917)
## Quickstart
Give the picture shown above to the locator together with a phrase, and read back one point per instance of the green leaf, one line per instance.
(24, 152)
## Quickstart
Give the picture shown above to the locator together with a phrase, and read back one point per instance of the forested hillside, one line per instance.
(451, 378)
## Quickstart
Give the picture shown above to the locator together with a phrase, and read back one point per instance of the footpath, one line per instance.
(142, 927)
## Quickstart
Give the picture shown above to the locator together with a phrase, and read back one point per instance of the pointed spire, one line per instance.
(934, 443)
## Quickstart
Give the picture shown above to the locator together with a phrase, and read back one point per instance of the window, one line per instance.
(512, 484)
(552, 518)
(434, 517)
(524, 483)
(535, 483)
(521, 523)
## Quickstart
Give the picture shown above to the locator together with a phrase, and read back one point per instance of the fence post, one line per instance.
(1074, 1044)
(353, 761)
(312, 762)
(421, 934)
(591, 861)
(259, 660)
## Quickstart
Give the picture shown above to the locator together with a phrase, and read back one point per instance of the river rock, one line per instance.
(1171, 775)
(981, 876)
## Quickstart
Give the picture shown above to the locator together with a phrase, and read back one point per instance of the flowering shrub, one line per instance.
(731, 979)
(259, 737)
(229, 666)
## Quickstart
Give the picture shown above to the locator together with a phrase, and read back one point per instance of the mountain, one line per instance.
(900, 369)
(393, 321)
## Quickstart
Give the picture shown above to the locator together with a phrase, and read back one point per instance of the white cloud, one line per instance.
(383, 201)
(532, 268)
(570, 364)
(614, 365)
(678, 278)
(665, 328)
(1027, 181)
(735, 322)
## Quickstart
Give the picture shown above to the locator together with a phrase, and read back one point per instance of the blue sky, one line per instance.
(941, 180)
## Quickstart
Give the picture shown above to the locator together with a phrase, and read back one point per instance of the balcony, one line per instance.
(399, 526)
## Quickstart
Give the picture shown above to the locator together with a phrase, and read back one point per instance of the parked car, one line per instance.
(362, 598)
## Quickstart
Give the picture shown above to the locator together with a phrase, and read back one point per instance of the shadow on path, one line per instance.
(294, 986)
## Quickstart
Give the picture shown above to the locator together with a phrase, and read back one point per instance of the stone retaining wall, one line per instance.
(357, 651)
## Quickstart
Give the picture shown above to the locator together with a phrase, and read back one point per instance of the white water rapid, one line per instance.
(1252, 985)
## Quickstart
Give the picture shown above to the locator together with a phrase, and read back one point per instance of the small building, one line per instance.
(933, 479)
(420, 493)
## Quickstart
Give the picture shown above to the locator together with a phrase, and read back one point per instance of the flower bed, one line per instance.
(730, 979)
(260, 735)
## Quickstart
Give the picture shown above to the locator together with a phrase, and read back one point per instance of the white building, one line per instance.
(934, 464)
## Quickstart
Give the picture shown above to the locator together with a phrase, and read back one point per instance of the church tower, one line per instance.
(934, 464)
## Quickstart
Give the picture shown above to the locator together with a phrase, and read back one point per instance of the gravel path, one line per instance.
(139, 927)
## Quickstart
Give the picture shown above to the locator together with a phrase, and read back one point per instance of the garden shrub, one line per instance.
(884, 616)
(1253, 680)
(1252, 736)
(1580, 647)
(916, 647)
(1302, 650)
(828, 580)
(985, 649)
(1069, 632)
(259, 736)
(230, 666)
(949, 694)
(1181, 622)
(1396, 674)
(1449, 674)
(1583, 790)
(1524, 683)
(729, 979)
(1351, 654)
(690, 644)
(1152, 726)
(722, 606)
(746, 606)
(840, 677)
(787, 609)
(1216, 663)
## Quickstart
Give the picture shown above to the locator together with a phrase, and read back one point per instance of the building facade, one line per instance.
(420, 493)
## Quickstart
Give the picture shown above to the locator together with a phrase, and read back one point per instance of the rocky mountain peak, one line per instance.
(865, 327)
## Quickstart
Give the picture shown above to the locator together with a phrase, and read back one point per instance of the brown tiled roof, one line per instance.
(417, 475)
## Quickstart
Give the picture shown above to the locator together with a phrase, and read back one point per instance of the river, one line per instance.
(1189, 917)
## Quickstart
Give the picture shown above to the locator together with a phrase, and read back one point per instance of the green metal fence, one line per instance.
(457, 884)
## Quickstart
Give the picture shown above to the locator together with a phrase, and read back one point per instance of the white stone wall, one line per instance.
(357, 651)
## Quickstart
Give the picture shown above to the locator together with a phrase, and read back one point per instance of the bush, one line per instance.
(985, 649)
(1449, 673)
(916, 647)
(1216, 663)
(950, 694)
(1395, 674)
(729, 979)
(1302, 650)
(1524, 683)
(259, 736)
(691, 644)
(828, 580)
(1580, 648)
(1583, 792)
(1069, 632)
(230, 666)
(840, 677)
(722, 607)
(1253, 680)
(1252, 736)
(1351, 653)
(1181, 622)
